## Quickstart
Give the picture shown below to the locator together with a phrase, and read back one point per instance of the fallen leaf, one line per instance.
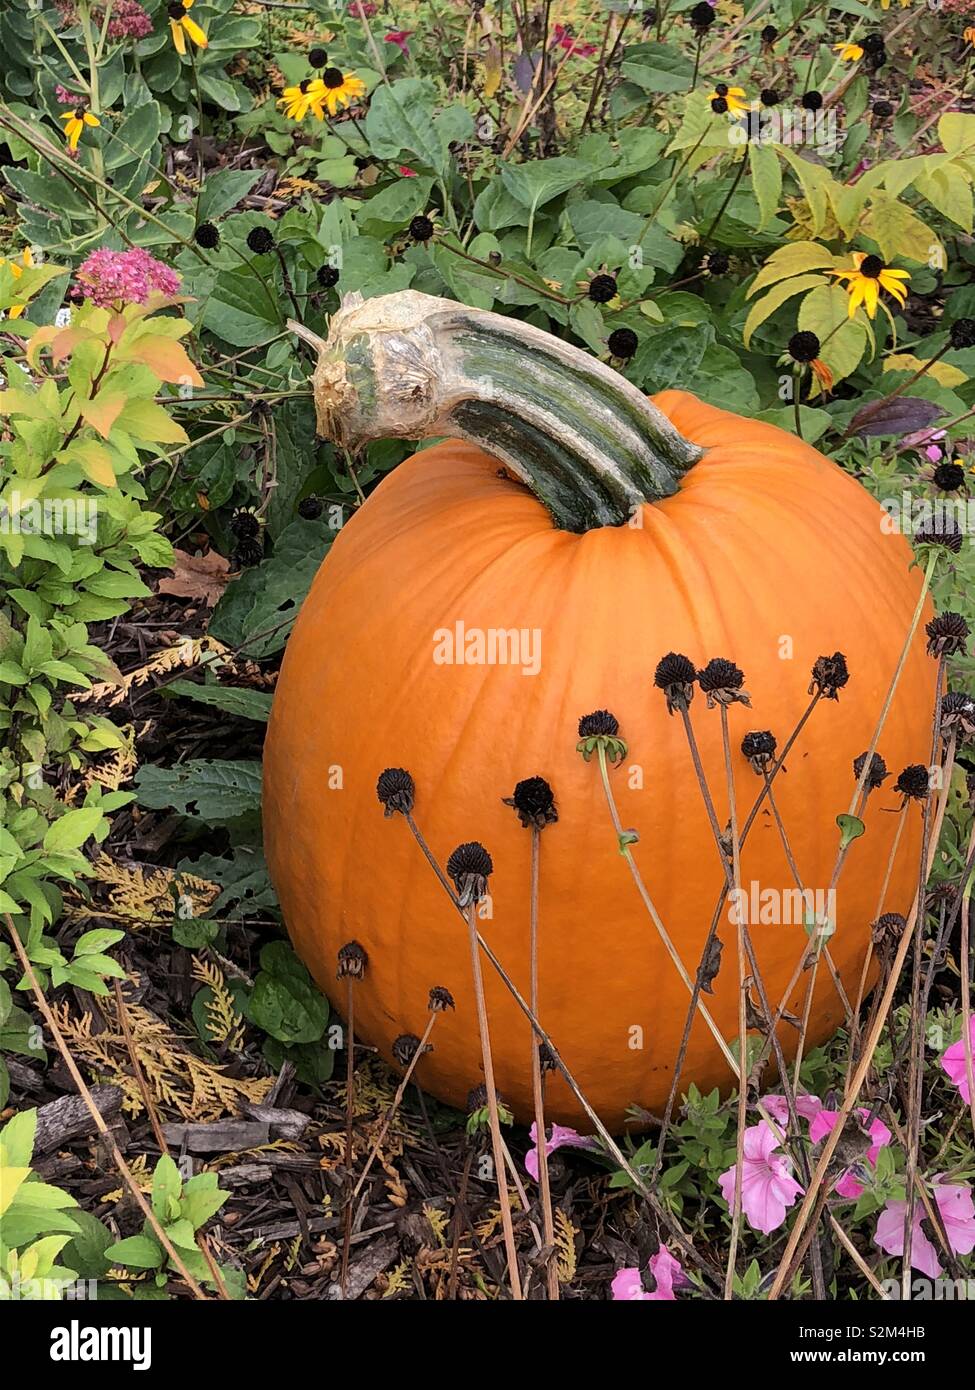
(203, 577)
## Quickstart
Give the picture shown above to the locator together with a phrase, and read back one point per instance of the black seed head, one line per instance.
(623, 343)
(244, 525)
(722, 681)
(940, 530)
(534, 802)
(871, 266)
(877, 775)
(871, 42)
(804, 346)
(962, 333)
(958, 714)
(207, 236)
(949, 477)
(769, 34)
(352, 961)
(405, 1048)
(599, 722)
(769, 97)
(327, 276)
(812, 101)
(719, 105)
(948, 634)
(396, 791)
(477, 1099)
(702, 17)
(248, 552)
(545, 1058)
(914, 782)
(717, 263)
(470, 867)
(883, 110)
(602, 288)
(421, 228)
(759, 748)
(310, 508)
(259, 240)
(675, 676)
(875, 58)
(888, 929)
(332, 77)
(440, 1000)
(721, 89)
(829, 675)
(318, 58)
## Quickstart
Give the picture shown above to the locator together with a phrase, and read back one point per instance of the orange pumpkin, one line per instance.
(743, 543)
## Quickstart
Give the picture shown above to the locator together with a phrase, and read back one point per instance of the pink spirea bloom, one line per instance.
(65, 98)
(953, 1062)
(399, 37)
(128, 20)
(627, 1286)
(562, 1137)
(127, 277)
(954, 1202)
(768, 1188)
(880, 1136)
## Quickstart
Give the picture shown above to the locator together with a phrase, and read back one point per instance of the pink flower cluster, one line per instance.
(953, 1062)
(562, 1137)
(957, 1211)
(128, 19)
(109, 278)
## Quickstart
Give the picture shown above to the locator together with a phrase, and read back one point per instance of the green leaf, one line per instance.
(776, 297)
(211, 790)
(401, 119)
(257, 611)
(246, 704)
(242, 310)
(137, 1252)
(166, 1187)
(766, 175)
(71, 830)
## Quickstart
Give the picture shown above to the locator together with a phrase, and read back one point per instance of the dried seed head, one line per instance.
(958, 714)
(769, 34)
(396, 790)
(759, 748)
(327, 276)
(769, 96)
(260, 240)
(440, 1000)
(534, 802)
(883, 110)
(477, 1098)
(962, 333)
(602, 288)
(888, 929)
(702, 17)
(717, 263)
(940, 530)
(244, 525)
(545, 1058)
(470, 867)
(421, 228)
(599, 722)
(722, 682)
(914, 783)
(829, 675)
(949, 477)
(675, 676)
(318, 57)
(877, 775)
(207, 235)
(804, 346)
(352, 961)
(310, 508)
(812, 101)
(623, 343)
(948, 634)
(405, 1048)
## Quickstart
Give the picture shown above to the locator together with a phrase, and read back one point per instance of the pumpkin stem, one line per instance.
(411, 366)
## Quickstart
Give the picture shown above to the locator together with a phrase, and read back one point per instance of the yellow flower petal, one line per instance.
(871, 295)
(89, 119)
(194, 31)
(179, 38)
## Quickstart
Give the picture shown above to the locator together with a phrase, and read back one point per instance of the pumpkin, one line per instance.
(611, 530)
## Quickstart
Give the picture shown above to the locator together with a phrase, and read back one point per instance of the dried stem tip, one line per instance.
(914, 783)
(675, 676)
(722, 682)
(440, 1000)
(352, 961)
(829, 675)
(470, 867)
(958, 714)
(759, 748)
(396, 790)
(535, 803)
(948, 634)
(405, 1048)
(877, 775)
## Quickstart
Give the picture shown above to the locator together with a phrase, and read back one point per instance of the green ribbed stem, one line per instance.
(411, 366)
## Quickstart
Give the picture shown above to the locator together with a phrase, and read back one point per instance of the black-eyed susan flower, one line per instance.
(304, 97)
(803, 349)
(17, 270)
(340, 89)
(849, 52)
(600, 286)
(182, 27)
(733, 96)
(75, 121)
(867, 278)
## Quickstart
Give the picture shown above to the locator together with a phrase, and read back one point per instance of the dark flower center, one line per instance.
(871, 266)
(332, 77)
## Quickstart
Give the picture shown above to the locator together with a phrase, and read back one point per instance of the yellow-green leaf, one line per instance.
(147, 421)
(776, 296)
(794, 259)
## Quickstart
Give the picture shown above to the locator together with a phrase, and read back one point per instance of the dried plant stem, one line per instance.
(494, 1121)
(856, 1085)
(729, 1284)
(96, 1115)
(538, 1092)
(391, 1112)
(349, 1123)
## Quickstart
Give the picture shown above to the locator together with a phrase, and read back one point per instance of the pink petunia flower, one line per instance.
(825, 1121)
(562, 1137)
(954, 1202)
(807, 1108)
(667, 1273)
(125, 277)
(399, 37)
(953, 1062)
(768, 1188)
